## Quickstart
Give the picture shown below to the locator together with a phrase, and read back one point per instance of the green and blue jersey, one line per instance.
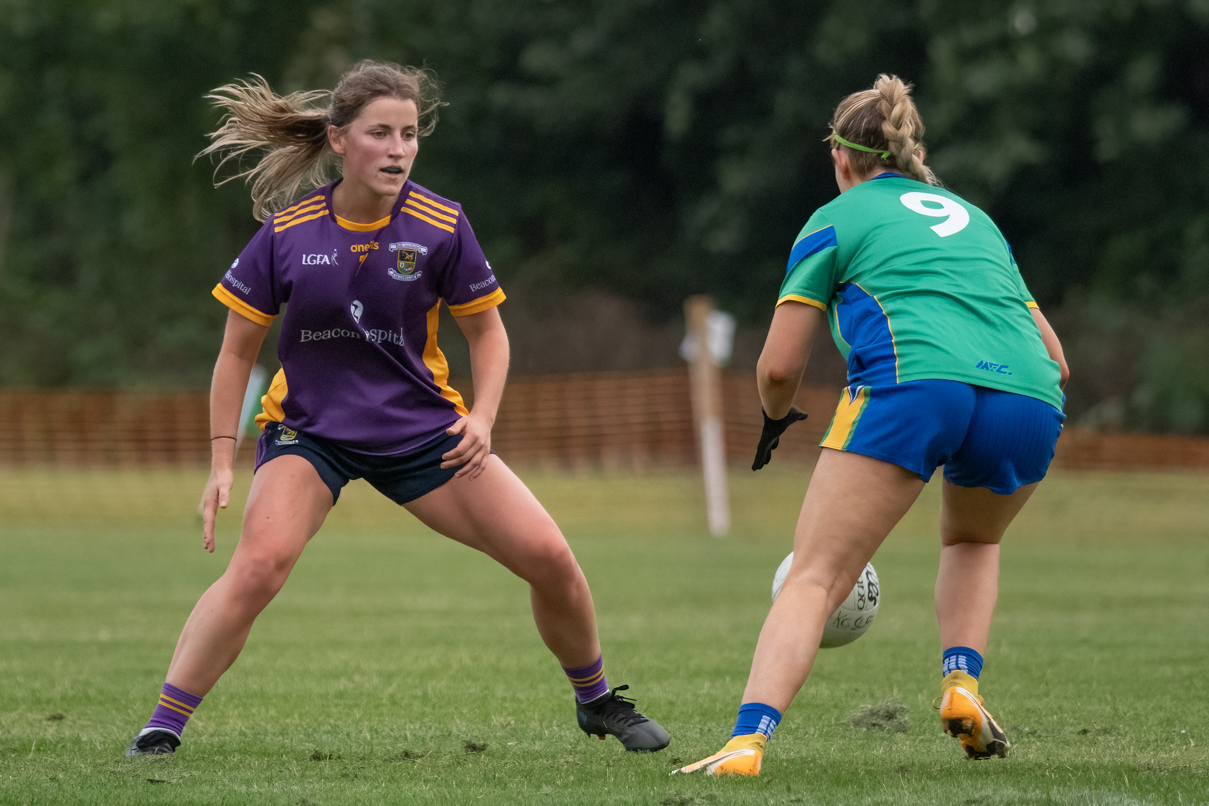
(919, 284)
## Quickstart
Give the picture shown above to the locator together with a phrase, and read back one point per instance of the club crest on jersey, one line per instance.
(407, 257)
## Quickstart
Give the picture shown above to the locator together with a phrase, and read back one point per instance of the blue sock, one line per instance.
(756, 717)
(961, 659)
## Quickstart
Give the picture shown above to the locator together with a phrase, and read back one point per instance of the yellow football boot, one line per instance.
(741, 756)
(964, 717)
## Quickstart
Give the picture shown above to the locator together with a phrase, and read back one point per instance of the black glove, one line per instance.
(771, 435)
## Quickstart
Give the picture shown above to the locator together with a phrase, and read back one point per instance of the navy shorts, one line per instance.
(984, 437)
(400, 477)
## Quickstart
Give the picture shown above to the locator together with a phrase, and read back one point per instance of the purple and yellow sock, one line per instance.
(173, 710)
(756, 717)
(588, 681)
(961, 659)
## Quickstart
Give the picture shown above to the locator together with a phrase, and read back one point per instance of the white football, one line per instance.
(853, 616)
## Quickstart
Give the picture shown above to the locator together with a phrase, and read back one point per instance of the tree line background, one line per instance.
(614, 157)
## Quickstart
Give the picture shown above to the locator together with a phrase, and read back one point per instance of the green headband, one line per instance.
(884, 154)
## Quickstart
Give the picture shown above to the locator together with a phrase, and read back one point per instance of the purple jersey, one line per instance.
(359, 358)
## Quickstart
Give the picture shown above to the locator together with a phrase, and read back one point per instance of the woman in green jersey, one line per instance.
(950, 363)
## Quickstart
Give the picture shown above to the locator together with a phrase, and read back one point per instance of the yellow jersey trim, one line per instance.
(1032, 304)
(479, 305)
(240, 307)
(890, 327)
(822, 306)
(433, 202)
(437, 224)
(272, 400)
(807, 235)
(355, 227)
(296, 205)
(283, 217)
(434, 359)
(431, 212)
(302, 220)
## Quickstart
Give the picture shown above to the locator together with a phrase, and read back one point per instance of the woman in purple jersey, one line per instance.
(364, 264)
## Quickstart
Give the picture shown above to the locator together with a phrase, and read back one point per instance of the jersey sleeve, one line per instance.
(468, 285)
(249, 287)
(810, 275)
(1025, 294)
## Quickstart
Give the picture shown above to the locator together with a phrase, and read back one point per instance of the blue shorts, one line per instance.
(400, 477)
(984, 437)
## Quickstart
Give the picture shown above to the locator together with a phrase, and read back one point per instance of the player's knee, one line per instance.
(259, 578)
(552, 564)
(821, 581)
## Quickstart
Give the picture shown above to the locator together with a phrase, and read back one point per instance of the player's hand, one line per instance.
(770, 437)
(216, 497)
(472, 452)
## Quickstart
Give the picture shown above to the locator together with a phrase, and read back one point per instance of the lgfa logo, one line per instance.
(321, 260)
(356, 308)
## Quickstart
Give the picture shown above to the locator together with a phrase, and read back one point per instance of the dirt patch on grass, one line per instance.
(687, 800)
(889, 715)
(322, 755)
(406, 755)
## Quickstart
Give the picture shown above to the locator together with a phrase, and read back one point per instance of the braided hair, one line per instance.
(885, 120)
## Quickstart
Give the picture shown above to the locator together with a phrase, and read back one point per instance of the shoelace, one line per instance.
(621, 709)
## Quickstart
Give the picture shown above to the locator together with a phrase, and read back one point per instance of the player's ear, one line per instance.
(843, 167)
(335, 138)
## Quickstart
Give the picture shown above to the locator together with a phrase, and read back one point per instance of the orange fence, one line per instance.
(623, 421)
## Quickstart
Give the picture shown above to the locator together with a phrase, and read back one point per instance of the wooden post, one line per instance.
(705, 383)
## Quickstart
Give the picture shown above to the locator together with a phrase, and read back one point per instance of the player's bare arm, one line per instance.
(240, 347)
(786, 351)
(1052, 345)
(489, 355)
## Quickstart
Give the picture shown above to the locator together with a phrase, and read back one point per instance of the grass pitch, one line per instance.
(398, 667)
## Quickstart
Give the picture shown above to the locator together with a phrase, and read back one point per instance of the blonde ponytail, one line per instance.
(291, 132)
(885, 121)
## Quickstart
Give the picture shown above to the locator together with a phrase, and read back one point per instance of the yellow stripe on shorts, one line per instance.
(847, 413)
